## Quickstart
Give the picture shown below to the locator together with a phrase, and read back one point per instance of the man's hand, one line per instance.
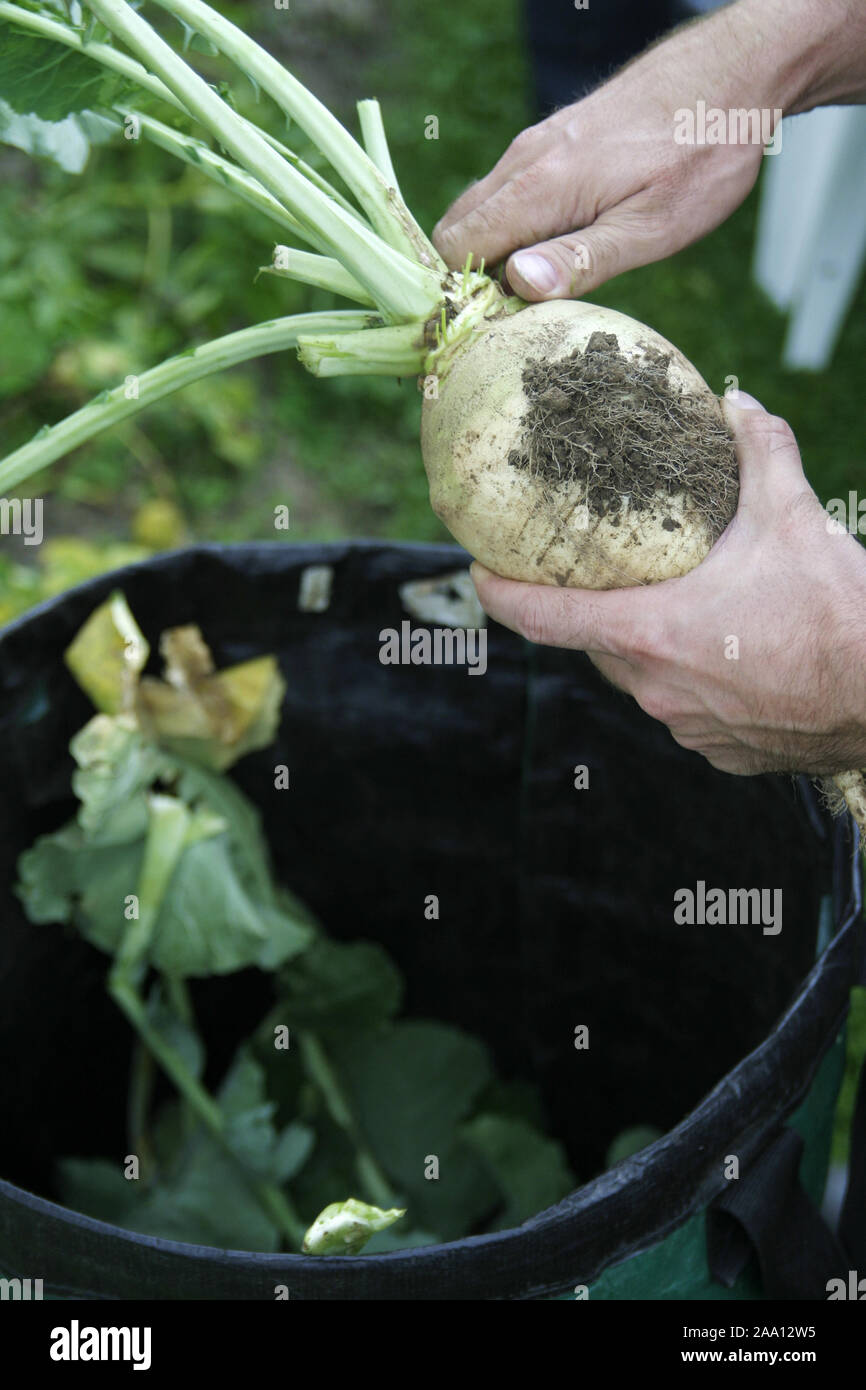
(603, 186)
(757, 658)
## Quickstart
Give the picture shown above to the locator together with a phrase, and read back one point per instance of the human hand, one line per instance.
(603, 186)
(755, 659)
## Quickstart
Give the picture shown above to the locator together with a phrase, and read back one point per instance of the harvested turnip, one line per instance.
(565, 444)
(572, 445)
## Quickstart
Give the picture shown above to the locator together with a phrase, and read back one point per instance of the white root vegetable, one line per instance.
(564, 443)
(521, 525)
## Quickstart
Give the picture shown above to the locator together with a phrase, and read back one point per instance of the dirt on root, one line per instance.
(622, 429)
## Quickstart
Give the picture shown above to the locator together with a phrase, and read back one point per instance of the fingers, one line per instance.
(602, 622)
(518, 220)
(771, 471)
(532, 203)
(578, 263)
(464, 227)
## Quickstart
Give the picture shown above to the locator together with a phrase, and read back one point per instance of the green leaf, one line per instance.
(207, 1202)
(116, 767)
(179, 1036)
(410, 1086)
(241, 816)
(631, 1141)
(63, 142)
(47, 877)
(49, 80)
(210, 919)
(396, 1239)
(201, 1194)
(530, 1169)
(108, 654)
(294, 1147)
(336, 987)
(97, 1188)
(62, 879)
(250, 1131)
(209, 924)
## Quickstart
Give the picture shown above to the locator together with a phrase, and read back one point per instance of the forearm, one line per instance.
(787, 54)
(621, 178)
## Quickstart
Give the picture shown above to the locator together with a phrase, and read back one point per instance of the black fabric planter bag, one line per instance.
(556, 910)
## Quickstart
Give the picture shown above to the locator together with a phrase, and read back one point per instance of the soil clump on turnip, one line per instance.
(623, 432)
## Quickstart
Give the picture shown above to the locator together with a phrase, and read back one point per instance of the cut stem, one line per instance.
(395, 351)
(322, 271)
(53, 441)
(376, 141)
(167, 825)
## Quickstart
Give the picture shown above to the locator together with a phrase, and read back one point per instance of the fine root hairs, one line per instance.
(622, 432)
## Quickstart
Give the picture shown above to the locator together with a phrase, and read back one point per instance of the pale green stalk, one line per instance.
(404, 291)
(107, 409)
(204, 1107)
(376, 142)
(219, 170)
(322, 271)
(133, 71)
(168, 824)
(394, 351)
(388, 213)
(321, 1070)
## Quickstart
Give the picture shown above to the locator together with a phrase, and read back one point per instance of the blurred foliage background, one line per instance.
(106, 273)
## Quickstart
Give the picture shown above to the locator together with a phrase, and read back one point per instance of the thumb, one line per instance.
(571, 265)
(771, 472)
(583, 619)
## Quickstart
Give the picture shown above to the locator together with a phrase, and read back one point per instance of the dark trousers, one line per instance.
(572, 50)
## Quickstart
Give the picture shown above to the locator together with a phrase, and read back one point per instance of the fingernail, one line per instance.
(536, 271)
(742, 400)
(478, 571)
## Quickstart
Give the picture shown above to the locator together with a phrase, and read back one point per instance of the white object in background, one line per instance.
(447, 598)
(812, 228)
(314, 590)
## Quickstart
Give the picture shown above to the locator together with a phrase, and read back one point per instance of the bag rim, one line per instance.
(774, 1077)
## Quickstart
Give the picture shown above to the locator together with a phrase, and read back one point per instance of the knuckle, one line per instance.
(693, 743)
(672, 186)
(527, 139)
(649, 638)
(799, 511)
(779, 434)
(531, 619)
(526, 183)
(656, 702)
(769, 431)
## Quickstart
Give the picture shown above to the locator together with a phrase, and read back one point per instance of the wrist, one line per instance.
(847, 625)
(788, 55)
(806, 53)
